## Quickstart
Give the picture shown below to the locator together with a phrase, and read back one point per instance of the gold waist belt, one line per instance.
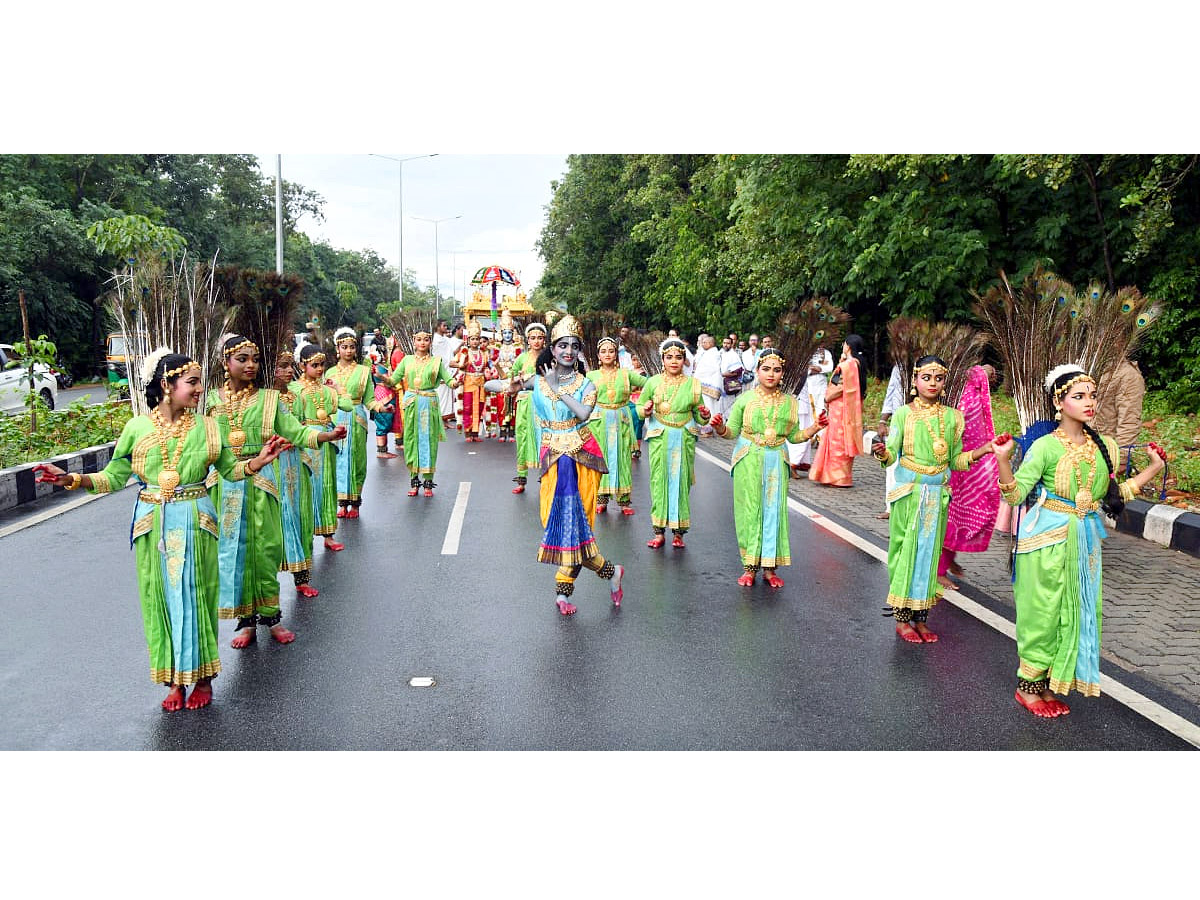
(558, 424)
(763, 441)
(1076, 509)
(421, 393)
(192, 492)
(920, 469)
(674, 421)
(611, 405)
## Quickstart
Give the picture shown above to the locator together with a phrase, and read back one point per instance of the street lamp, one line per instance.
(400, 271)
(437, 287)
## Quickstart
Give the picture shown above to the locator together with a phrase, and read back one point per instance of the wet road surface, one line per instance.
(690, 662)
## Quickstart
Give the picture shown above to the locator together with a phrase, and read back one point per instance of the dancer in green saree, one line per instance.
(764, 420)
(418, 376)
(612, 424)
(527, 435)
(926, 438)
(174, 534)
(251, 523)
(356, 381)
(1057, 571)
(674, 413)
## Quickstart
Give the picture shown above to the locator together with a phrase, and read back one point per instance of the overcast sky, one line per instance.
(502, 200)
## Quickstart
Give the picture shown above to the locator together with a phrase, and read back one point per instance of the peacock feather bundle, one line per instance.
(407, 323)
(166, 303)
(800, 331)
(643, 346)
(1048, 323)
(262, 305)
(960, 346)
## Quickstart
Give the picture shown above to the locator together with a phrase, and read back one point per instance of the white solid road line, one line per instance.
(48, 514)
(1143, 706)
(457, 517)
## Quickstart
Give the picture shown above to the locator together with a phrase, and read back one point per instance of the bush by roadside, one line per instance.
(60, 431)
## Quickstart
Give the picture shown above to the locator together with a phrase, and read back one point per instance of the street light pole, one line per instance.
(278, 213)
(437, 277)
(400, 270)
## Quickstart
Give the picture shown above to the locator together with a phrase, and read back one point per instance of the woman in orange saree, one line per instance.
(842, 440)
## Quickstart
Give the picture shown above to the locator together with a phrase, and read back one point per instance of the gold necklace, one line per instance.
(168, 478)
(660, 394)
(924, 413)
(769, 401)
(311, 388)
(1076, 454)
(237, 401)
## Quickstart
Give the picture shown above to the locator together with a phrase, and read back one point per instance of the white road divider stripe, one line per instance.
(49, 514)
(457, 517)
(1143, 706)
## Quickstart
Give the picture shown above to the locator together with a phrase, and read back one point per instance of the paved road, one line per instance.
(691, 661)
(90, 393)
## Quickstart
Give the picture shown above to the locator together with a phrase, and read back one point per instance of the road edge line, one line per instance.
(1126, 696)
(457, 516)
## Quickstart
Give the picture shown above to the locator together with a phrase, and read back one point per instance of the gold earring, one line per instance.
(1058, 415)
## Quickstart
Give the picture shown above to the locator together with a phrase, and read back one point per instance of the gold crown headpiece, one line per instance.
(608, 339)
(933, 366)
(1059, 372)
(474, 329)
(567, 326)
(536, 326)
(245, 343)
(770, 351)
(672, 342)
(190, 364)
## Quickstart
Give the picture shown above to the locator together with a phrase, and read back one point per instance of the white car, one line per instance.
(14, 382)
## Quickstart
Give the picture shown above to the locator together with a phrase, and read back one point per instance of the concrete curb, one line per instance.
(18, 485)
(1167, 525)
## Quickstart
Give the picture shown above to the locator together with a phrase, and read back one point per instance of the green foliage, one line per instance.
(131, 237)
(61, 431)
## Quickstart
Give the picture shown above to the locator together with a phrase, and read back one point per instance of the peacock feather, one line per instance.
(800, 331)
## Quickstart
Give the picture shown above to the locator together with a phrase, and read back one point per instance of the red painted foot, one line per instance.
(306, 590)
(567, 609)
(341, 512)
(243, 638)
(428, 492)
(677, 542)
(386, 455)
(333, 545)
(601, 507)
(746, 580)
(617, 591)
(1059, 708)
(655, 542)
(519, 489)
(627, 510)
(1036, 705)
(352, 512)
(926, 635)
(201, 696)
(282, 635)
(907, 632)
(773, 580)
(174, 699)
(412, 492)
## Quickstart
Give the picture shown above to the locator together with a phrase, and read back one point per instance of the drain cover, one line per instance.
(421, 682)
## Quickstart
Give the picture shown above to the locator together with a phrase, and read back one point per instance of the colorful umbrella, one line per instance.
(494, 275)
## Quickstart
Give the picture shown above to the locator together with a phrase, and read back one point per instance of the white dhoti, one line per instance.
(445, 400)
(810, 406)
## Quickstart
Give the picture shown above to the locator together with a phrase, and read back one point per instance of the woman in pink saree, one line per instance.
(842, 440)
(975, 493)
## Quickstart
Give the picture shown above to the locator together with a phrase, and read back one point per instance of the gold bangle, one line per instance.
(1008, 485)
(75, 480)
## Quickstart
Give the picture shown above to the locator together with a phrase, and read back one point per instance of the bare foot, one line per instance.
(201, 694)
(331, 544)
(307, 590)
(955, 569)
(1036, 705)
(243, 638)
(884, 515)
(282, 635)
(772, 579)
(567, 609)
(174, 699)
(945, 582)
(615, 588)
(926, 635)
(909, 633)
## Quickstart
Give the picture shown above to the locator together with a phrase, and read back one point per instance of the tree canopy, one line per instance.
(728, 242)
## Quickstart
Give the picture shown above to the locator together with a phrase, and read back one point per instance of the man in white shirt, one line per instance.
(812, 402)
(444, 347)
(893, 399)
(751, 353)
(624, 357)
(706, 367)
(731, 375)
